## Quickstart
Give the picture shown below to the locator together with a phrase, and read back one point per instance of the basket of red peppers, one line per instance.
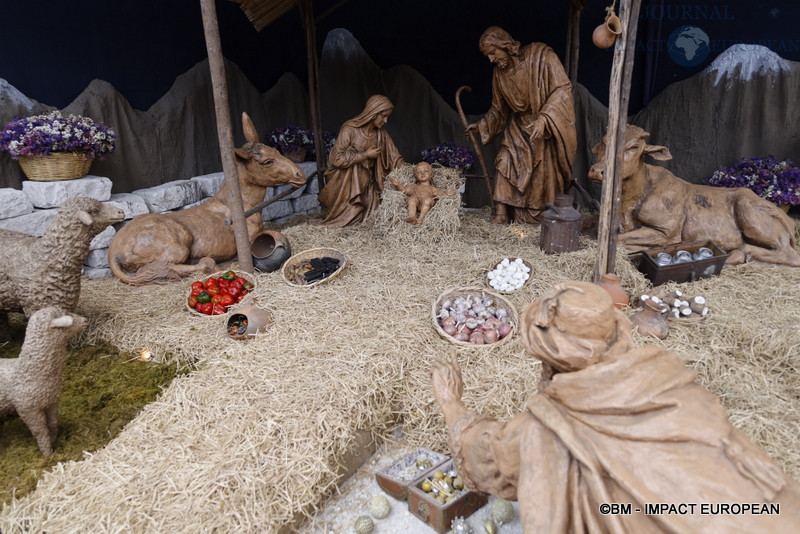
(219, 292)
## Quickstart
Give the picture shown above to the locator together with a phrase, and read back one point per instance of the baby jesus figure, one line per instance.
(421, 195)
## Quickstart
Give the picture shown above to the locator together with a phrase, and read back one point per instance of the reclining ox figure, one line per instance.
(659, 209)
(157, 247)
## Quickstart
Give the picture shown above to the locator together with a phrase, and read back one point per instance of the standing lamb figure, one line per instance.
(36, 272)
(30, 384)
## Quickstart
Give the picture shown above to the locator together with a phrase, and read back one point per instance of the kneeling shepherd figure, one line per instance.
(613, 424)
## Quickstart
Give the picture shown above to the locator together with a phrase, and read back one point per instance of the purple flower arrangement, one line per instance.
(41, 135)
(449, 155)
(775, 180)
(288, 138)
(328, 139)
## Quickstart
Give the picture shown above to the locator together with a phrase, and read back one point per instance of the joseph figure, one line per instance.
(532, 107)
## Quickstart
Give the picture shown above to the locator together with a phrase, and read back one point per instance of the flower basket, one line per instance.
(56, 166)
(768, 177)
(449, 155)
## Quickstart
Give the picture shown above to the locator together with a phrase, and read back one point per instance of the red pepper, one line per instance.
(197, 287)
(192, 301)
(227, 300)
(218, 309)
(210, 282)
(216, 299)
(224, 284)
(205, 307)
(213, 290)
(234, 291)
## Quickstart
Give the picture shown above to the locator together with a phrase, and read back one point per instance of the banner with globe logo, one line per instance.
(688, 46)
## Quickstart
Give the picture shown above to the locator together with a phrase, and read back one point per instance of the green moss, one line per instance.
(103, 389)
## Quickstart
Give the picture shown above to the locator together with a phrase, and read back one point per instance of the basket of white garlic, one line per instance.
(509, 275)
(474, 317)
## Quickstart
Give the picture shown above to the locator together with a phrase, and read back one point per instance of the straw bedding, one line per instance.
(253, 439)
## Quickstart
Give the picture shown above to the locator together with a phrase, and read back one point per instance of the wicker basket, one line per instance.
(493, 267)
(243, 274)
(307, 255)
(499, 302)
(56, 166)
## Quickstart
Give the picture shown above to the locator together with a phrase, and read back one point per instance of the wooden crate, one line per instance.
(440, 516)
(682, 272)
(396, 479)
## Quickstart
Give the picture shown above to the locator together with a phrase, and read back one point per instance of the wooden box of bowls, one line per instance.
(409, 470)
(684, 262)
(441, 497)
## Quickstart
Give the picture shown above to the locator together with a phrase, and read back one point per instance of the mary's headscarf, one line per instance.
(375, 104)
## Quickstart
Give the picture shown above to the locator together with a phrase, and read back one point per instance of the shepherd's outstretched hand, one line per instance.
(448, 386)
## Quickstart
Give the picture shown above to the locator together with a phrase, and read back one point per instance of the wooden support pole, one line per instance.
(225, 134)
(619, 95)
(307, 14)
(573, 40)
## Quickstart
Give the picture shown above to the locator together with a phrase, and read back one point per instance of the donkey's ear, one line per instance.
(658, 153)
(243, 154)
(250, 132)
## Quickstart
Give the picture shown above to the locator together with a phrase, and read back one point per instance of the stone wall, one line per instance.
(31, 210)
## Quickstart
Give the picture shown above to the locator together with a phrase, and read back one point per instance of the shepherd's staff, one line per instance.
(474, 141)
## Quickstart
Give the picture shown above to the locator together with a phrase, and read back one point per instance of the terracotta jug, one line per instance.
(270, 249)
(651, 320)
(561, 224)
(605, 34)
(248, 319)
(610, 282)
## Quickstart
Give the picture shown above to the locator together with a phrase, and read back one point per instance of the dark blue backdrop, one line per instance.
(51, 50)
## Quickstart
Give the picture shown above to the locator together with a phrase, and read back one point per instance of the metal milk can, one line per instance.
(561, 224)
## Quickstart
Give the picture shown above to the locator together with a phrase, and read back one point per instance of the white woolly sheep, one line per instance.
(36, 272)
(30, 384)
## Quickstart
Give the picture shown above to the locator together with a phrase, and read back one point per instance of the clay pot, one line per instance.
(270, 249)
(605, 34)
(651, 320)
(248, 320)
(610, 282)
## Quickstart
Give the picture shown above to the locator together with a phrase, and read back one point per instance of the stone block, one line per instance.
(278, 189)
(169, 196)
(305, 203)
(193, 204)
(34, 223)
(14, 203)
(96, 273)
(103, 239)
(277, 209)
(53, 194)
(210, 184)
(97, 258)
(130, 204)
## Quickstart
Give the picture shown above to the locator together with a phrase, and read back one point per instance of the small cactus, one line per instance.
(379, 507)
(502, 511)
(363, 525)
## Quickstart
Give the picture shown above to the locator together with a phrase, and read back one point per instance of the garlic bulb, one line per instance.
(509, 275)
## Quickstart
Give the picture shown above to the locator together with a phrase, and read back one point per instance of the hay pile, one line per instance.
(442, 222)
(254, 438)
